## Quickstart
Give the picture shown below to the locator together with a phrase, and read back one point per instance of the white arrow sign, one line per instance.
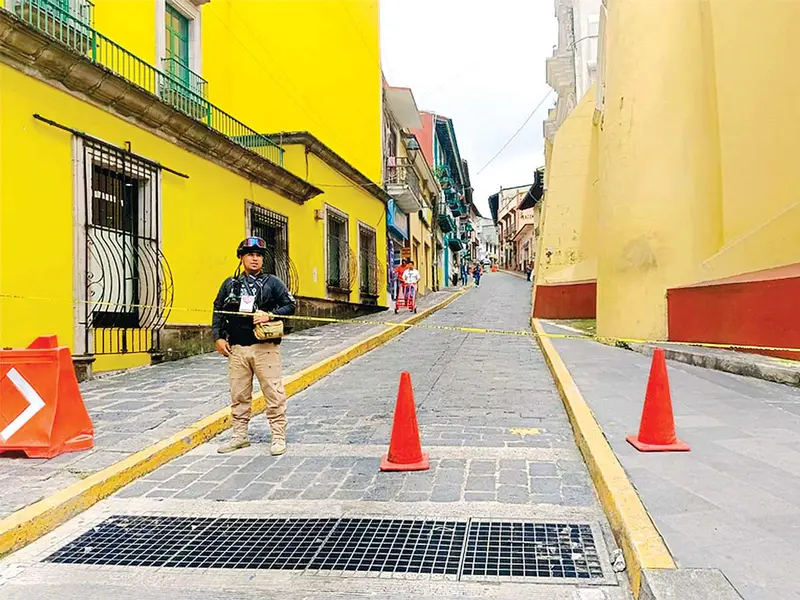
(35, 404)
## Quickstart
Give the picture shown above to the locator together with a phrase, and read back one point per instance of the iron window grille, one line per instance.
(273, 228)
(127, 284)
(339, 263)
(368, 261)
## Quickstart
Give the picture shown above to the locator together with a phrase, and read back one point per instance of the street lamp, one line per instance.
(412, 147)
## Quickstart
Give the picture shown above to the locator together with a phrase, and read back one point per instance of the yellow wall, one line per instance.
(759, 134)
(313, 65)
(659, 167)
(203, 216)
(129, 23)
(570, 226)
(306, 244)
(697, 177)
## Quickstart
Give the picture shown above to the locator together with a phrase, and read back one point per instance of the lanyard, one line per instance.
(250, 291)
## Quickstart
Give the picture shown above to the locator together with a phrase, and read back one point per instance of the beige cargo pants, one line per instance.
(263, 361)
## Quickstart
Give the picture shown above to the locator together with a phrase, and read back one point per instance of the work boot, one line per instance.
(237, 443)
(278, 447)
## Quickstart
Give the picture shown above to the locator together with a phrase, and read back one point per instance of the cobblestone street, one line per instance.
(134, 409)
(500, 444)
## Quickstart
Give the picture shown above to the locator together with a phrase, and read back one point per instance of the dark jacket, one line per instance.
(272, 296)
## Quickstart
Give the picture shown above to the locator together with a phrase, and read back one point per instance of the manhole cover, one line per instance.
(471, 550)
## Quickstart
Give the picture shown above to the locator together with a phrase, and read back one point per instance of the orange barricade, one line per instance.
(41, 410)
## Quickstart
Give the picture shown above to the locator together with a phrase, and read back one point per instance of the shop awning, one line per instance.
(454, 243)
(534, 194)
(494, 205)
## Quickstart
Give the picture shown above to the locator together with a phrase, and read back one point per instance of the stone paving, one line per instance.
(472, 391)
(135, 409)
(490, 416)
(733, 502)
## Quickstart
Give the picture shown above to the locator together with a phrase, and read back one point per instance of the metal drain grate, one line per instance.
(199, 543)
(432, 547)
(531, 550)
(470, 550)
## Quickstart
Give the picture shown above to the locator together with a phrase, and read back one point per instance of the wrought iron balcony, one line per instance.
(182, 75)
(455, 244)
(69, 22)
(42, 11)
(446, 222)
(185, 90)
(402, 183)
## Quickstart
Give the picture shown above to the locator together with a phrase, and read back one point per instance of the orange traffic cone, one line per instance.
(405, 451)
(657, 428)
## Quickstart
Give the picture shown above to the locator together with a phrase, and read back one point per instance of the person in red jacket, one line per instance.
(398, 277)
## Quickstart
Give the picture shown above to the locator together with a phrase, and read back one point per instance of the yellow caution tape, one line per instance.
(584, 337)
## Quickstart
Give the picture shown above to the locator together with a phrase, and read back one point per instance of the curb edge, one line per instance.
(642, 545)
(35, 520)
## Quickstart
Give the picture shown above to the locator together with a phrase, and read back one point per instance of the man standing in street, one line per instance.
(251, 342)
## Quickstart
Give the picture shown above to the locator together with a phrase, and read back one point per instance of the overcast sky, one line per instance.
(481, 63)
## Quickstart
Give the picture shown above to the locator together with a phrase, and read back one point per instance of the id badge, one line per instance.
(247, 304)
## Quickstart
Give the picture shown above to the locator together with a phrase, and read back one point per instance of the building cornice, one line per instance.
(326, 154)
(35, 54)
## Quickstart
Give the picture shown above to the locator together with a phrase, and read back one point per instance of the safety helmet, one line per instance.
(251, 244)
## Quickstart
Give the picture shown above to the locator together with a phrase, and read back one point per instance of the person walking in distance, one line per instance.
(251, 342)
(398, 277)
(411, 278)
(476, 274)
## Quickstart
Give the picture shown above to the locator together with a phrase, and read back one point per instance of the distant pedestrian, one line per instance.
(251, 342)
(476, 274)
(411, 278)
(411, 275)
(464, 273)
(398, 277)
(528, 269)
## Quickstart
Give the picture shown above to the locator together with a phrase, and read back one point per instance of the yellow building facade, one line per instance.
(127, 178)
(680, 188)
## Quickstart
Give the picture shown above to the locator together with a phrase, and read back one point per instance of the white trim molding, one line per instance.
(191, 10)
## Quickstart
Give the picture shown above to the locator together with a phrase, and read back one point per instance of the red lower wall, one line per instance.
(756, 309)
(566, 301)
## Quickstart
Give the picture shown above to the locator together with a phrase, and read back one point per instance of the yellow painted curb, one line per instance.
(634, 530)
(29, 523)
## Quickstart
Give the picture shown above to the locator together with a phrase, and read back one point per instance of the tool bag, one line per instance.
(272, 330)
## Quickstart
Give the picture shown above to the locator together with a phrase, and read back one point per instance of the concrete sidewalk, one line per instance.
(733, 502)
(135, 409)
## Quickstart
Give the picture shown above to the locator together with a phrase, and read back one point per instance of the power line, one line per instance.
(516, 133)
(361, 35)
(277, 66)
(365, 187)
(264, 69)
